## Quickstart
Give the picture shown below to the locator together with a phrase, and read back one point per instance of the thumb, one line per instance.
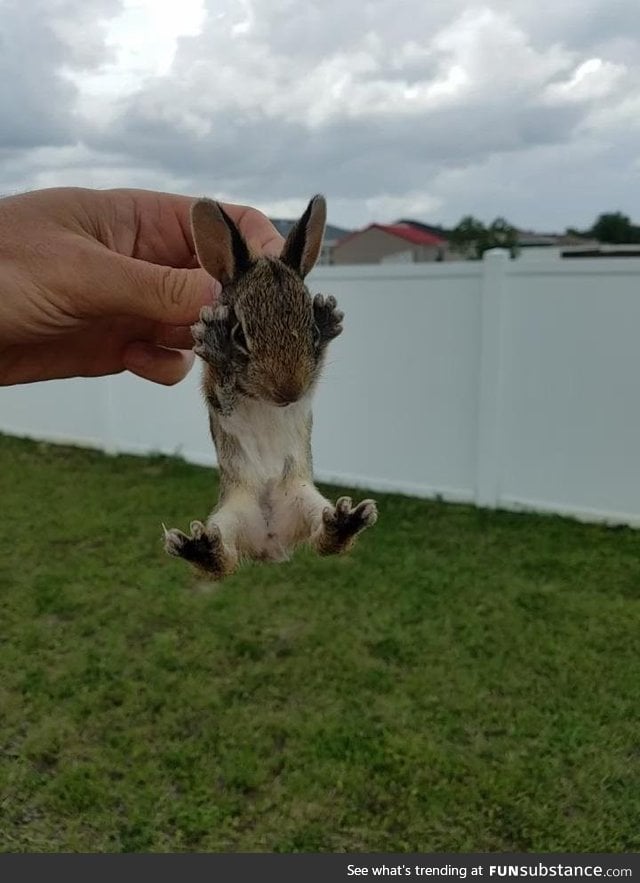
(163, 294)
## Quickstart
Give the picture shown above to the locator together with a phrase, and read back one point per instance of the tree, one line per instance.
(614, 227)
(501, 234)
(467, 236)
(472, 238)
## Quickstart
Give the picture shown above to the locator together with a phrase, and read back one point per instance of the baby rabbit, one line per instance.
(263, 348)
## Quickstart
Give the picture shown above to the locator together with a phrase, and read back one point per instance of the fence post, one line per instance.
(110, 440)
(494, 270)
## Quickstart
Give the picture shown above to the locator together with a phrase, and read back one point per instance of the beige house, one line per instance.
(382, 243)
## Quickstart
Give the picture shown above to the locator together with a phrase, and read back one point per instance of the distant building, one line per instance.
(390, 243)
(601, 250)
(544, 245)
(332, 235)
(408, 241)
(529, 239)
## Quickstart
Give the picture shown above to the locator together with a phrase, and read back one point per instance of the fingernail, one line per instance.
(216, 289)
(274, 249)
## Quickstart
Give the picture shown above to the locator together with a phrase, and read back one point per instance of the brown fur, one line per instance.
(263, 348)
(275, 312)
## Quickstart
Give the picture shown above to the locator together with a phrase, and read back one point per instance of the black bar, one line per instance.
(311, 868)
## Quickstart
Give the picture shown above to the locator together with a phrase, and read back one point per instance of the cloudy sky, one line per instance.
(390, 107)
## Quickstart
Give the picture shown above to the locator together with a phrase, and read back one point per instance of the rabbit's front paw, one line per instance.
(212, 335)
(327, 316)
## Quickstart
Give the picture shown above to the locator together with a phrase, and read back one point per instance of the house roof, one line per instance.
(428, 228)
(529, 238)
(413, 234)
(402, 231)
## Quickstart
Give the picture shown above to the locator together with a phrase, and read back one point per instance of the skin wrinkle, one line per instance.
(137, 228)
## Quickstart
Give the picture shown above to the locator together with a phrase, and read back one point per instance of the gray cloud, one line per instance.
(39, 41)
(35, 99)
(584, 25)
(494, 109)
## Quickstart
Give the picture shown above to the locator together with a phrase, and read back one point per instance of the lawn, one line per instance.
(465, 680)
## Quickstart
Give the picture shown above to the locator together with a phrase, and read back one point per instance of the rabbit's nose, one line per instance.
(286, 394)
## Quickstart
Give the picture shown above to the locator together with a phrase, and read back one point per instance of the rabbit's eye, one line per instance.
(238, 338)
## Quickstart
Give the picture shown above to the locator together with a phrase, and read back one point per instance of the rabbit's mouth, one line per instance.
(284, 403)
(286, 393)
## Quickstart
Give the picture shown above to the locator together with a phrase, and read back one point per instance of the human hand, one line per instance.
(96, 282)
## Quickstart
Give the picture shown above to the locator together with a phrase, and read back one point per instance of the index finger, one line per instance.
(163, 228)
(260, 234)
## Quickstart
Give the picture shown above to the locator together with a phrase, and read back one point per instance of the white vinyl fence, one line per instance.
(506, 383)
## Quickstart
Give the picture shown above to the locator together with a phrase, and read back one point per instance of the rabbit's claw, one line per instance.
(343, 522)
(203, 547)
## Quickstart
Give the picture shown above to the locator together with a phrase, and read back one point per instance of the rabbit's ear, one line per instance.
(221, 250)
(302, 246)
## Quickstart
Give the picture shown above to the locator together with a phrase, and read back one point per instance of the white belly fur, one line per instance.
(264, 514)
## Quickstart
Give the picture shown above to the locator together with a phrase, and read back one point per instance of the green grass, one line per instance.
(463, 681)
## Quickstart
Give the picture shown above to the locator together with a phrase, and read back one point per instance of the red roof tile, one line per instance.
(403, 231)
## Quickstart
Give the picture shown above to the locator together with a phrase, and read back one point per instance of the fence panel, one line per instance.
(512, 383)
